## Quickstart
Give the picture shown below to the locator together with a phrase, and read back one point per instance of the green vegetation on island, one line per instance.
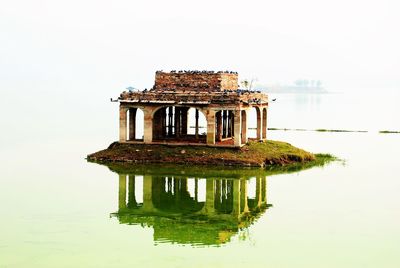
(253, 154)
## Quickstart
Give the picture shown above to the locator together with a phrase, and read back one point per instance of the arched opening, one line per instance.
(254, 193)
(130, 191)
(224, 124)
(254, 124)
(174, 194)
(179, 123)
(264, 123)
(135, 122)
(201, 124)
(223, 199)
(244, 127)
(197, 189)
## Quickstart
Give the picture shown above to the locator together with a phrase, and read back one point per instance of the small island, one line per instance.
(253, 154)
(180, 99)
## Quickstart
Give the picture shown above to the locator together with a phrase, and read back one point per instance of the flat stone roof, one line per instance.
(194, 98)
(195, 88)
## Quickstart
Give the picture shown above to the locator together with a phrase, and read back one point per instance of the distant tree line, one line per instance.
(308, 83)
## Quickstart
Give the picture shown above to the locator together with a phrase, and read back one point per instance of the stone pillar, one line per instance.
(224, 124)
(170, 112)
(236, 198)
(219, 126)
(184, 126)
(122, 191)
(132, 123)
(264, 123)
(259, 123)
(122, 123)
(217, 194)
(131, 192)
(209, 207)
(237, 128)
(177, 192)
(158, 186)
(196, 189)
(177, 122)
(258, 192)
(184, 185)
(148, 125)
(148, 193)
(230, 124)
(244, 126)
(197, 124)
(243, 196)
(164, 122)
(264, 189)
(210, 126)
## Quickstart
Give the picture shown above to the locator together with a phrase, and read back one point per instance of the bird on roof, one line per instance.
(130, 88)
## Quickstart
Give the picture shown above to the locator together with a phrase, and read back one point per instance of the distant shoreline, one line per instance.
(294, 89)
(333, 130)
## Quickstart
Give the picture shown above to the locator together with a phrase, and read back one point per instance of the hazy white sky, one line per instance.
(116, 43)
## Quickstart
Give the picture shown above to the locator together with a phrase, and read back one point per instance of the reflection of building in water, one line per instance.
(191, 210)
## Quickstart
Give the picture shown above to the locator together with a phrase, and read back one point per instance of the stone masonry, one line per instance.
(214, 94)
(196, 81)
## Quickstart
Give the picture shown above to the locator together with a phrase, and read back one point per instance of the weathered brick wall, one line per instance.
(194, 81)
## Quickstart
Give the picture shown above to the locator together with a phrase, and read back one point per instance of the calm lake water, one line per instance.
(60, 211)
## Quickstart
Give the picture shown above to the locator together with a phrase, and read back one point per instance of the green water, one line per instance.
(60, 211)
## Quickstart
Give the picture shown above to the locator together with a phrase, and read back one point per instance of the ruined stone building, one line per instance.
(177, 96)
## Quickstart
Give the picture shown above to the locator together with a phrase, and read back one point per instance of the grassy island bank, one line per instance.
(254, 154)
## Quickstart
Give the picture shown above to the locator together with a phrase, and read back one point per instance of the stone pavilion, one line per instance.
(180, 97)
